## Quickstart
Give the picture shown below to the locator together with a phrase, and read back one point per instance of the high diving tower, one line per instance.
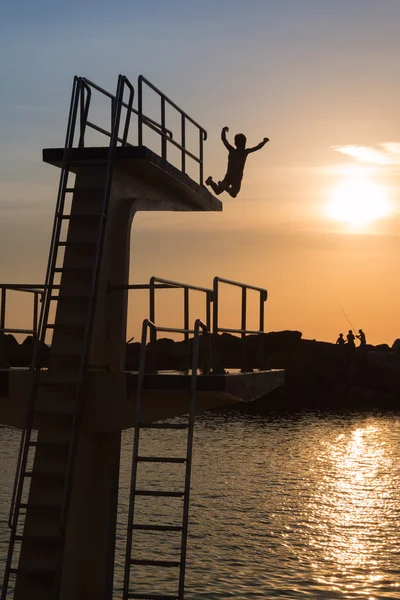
(64, 505)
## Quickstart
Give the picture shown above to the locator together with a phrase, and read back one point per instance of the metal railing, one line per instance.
(37, 296)
(243, 331)
(143, 120)
(212, 297)
(84, 105)
(157, 283)
(202, 133)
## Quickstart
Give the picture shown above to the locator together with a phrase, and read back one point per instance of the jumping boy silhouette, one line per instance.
(236, 160)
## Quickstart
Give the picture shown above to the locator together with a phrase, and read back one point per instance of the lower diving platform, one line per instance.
(165, 395)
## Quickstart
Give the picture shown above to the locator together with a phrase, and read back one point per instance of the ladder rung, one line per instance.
(63, 355)
(159, 493)
(49, 444)
(160, 459)
(145, 596)
(70, 297)
(77, 216)
(37, 538)
(73, 270)
(87, 191)
(34, 506)
(32, 571)
(155, 563)
(75, 326)
(56, 476)
(143, 527)
(163, 425)
(60, 382)
(44, 412)
(78, 244)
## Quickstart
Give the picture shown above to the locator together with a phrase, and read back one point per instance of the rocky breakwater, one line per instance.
(317, 374)
(321, 375)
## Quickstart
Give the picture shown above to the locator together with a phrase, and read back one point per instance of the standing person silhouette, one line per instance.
(350, 340)
(232, 181)
(362, 338)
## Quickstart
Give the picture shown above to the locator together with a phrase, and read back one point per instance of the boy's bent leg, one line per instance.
(216, 188)
(234, 189)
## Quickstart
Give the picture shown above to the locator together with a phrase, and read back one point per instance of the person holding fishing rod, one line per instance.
(362, 338)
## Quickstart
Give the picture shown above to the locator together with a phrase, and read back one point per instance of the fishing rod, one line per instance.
(343, 311)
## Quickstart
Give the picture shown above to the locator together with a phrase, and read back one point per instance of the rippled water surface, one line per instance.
(305, 506)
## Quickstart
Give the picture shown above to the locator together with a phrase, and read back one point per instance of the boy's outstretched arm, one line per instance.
(258, 147)
(225, 141)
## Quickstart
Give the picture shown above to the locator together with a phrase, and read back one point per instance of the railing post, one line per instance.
(243, 327)
(2, 324)
(214, 348)
(35, 320)
(84, 109)
(261, 336)
(209, 299)
(163, 132)
(201, 157)
(128, 110)
(186, 326)
(152, 310)
(140, 111)
(183, 142)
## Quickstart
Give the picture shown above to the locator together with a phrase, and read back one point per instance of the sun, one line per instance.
(358, 201)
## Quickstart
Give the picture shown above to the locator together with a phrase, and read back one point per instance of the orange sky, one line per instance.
(320, 81)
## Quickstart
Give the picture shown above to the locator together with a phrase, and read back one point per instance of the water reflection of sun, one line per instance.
(351, 506)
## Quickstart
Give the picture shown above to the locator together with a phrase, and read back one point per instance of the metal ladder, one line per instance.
(179, 562)
(40, 500)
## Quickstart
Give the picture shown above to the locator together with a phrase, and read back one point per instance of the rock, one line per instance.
(396, 345)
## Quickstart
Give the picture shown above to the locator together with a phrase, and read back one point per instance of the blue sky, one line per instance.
(309, 74)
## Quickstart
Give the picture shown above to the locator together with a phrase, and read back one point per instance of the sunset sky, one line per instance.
(317, 220)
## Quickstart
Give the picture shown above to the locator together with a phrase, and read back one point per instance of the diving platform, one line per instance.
(165, 396)
(78, 394)
(143, 174)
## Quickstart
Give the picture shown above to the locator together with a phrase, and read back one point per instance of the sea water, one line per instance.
(282, 506)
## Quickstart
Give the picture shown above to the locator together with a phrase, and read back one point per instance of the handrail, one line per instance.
(164, 285)
(179, 284)
(171, 102)
(186, 289)
(134, 110)
(243, 330)
(23, 287)
(184, 117)
(148, 324)
(88, 85)
(242, 285)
